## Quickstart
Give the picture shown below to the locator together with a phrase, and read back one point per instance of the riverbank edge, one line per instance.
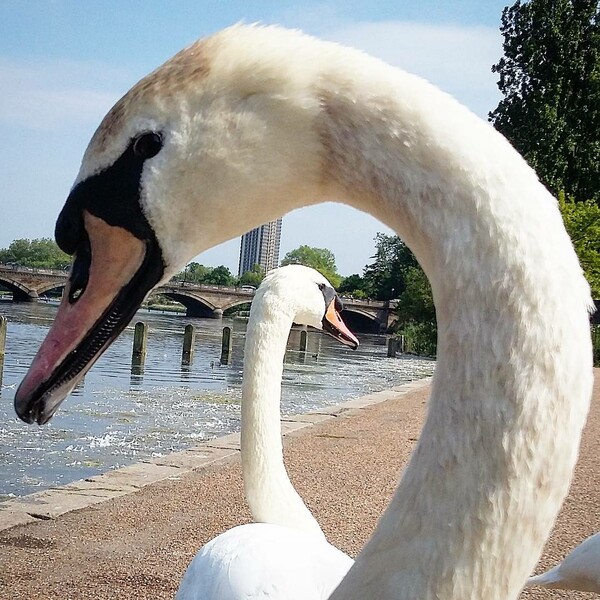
(83, 493)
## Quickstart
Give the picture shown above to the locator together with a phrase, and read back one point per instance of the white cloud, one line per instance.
(456, 58)
(51, 95)
(312, 17)
(57, 105)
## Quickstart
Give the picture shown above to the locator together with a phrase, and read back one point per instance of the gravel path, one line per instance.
(139, 545)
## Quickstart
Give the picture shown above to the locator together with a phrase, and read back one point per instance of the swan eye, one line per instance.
(147, 145)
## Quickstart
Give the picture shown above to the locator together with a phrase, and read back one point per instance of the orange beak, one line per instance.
(335, 326)
(109, 279)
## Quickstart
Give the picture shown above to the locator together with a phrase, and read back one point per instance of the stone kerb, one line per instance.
(51, 503)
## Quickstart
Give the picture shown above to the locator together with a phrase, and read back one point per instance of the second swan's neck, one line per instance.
(269, 492)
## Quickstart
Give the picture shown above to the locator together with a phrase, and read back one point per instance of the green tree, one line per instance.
(321, 259)
(41, 253)
(550, 78)
(354, 285)
(252, 277)
(416, 301)
(196, 272)
(384, 277)
(416, 313)
(582, 221)
(193, 273)
(396, 274)
(220, 275)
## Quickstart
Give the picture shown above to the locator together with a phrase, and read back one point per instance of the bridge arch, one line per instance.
(237, 303)
(361, 320)
(195, 306)
(20, 292)
(51, 286)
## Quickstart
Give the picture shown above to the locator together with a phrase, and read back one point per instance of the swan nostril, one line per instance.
(80, 272)
(75, 293)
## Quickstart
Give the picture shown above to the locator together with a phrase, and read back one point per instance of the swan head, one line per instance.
(203, 149)
(307, 298)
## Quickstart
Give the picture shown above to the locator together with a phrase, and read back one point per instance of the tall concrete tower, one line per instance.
(260, 247)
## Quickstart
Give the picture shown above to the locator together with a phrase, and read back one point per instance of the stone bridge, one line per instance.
(208, 301)
(27, 285)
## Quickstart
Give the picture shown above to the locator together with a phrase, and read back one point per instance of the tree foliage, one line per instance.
(582, 221)
(196, 272)
(396, 274)
(416, 313)
(355, 286)
(220, 275)
(550, 78)
(41, 253)
(201, 274)
(321, 259)
(252, 277)
(416, 301)
(385, 276)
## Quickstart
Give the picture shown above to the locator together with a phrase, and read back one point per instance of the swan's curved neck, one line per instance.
(513, 376)
(269, 492)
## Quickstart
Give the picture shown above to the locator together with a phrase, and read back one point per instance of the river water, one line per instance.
(119, 415)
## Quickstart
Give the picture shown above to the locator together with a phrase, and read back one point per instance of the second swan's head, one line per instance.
(305, 297)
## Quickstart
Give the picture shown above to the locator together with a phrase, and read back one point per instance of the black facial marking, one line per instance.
(68, 231)
(328, 293)
(112, 195)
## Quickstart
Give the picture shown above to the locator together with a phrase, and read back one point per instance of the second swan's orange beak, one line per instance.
(335, 326)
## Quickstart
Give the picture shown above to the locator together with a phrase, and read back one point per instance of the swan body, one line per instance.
(261, 560)
(284, 555)
(253, 122)
(580, 570)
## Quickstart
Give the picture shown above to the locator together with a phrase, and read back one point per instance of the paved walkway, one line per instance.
(137, 545)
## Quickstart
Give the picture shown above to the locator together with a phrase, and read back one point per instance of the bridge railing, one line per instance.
(205, 286)
(174, 283)
(20, 269)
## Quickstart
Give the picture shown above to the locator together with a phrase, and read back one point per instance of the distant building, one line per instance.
(261, 247)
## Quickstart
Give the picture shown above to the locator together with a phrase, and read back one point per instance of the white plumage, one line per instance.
(255, 122)
(580, 570)
(264, 561)
(285, 556)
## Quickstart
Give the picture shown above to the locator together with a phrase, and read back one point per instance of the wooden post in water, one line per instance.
(391, 350)
(140, 339)
(303, 340)
(3, 324)
(226, 345)
(189, 337)
(401, 345)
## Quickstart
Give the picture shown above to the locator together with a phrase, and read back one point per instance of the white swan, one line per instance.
(580, 569)
(253, 122)
(284, 554)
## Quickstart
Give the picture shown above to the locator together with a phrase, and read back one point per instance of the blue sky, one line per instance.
(63, 63)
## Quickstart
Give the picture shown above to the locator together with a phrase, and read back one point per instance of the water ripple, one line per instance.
(116, 416)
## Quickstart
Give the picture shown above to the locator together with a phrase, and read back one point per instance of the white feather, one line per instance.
(580, 570)
(259, 121)
(286, 555)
